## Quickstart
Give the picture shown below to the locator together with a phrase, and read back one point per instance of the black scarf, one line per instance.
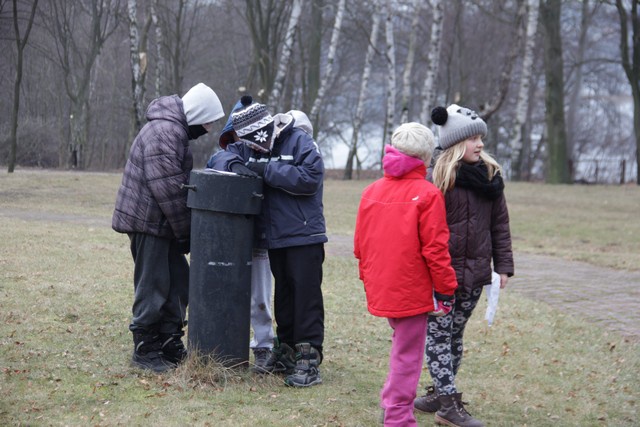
(196, 131)
(476, 178)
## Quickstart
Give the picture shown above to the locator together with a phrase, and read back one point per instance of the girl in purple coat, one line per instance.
(480, 241)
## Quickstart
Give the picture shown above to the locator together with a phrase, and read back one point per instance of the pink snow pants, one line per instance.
(405, 365)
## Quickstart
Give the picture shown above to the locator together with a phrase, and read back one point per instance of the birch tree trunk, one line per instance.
(408, 66)
(366, 72)
(160, 59)
(433, 58)
(285, 55)
(138, 59)
(631, 65)
(335, 36)
(391, 78)
(522, 102)
(21, 43)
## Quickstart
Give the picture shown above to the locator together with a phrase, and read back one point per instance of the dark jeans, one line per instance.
(444, 341)
(298, 302)
(161, 285)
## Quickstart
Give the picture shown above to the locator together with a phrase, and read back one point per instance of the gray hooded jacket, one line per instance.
(150, 199)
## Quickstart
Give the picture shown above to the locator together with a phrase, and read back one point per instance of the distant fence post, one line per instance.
(623, 171)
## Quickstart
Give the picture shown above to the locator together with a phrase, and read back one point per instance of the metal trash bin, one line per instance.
(223, 206)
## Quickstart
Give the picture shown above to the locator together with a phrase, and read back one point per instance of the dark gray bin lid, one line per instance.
(224, 192)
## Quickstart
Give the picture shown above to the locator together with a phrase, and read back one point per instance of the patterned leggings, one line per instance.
(444, 341)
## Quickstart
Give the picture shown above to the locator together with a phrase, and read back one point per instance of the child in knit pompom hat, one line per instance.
(401, 243)
(478, 220)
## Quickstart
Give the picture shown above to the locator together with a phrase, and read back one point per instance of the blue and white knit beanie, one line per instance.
(254, 125)
(457, 124)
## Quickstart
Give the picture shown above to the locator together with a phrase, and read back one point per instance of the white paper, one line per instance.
(493, 294)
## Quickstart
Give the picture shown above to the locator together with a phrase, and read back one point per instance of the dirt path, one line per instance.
(602, 295)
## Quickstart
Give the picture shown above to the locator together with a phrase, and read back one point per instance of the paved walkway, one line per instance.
(602, 295)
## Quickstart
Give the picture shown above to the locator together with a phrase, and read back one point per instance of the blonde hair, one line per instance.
(448, 163)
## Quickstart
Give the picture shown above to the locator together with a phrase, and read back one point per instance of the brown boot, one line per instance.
(429, 402)
(452, 412)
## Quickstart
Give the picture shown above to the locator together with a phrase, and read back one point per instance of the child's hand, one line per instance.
(441, 307)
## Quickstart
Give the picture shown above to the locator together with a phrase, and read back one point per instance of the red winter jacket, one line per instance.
(401, 241)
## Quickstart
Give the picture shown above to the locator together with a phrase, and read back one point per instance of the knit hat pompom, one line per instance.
(246, 100)
(439, 116)
(457, 124)
(414, 139)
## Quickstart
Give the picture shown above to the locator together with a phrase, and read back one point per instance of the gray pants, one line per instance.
(261, 319)
(161, 285)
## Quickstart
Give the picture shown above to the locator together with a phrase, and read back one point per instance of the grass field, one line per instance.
(65, 295)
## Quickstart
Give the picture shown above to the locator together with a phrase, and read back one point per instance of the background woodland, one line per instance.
(558, 82)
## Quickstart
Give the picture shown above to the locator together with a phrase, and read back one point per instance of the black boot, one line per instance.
(452, 412)
(173, 349)
(306, 373)
(147, 353)
(281, 361)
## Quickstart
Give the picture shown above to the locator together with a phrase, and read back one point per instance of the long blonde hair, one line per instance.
(448, 163)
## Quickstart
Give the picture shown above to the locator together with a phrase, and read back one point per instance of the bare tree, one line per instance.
(408, 66)
(285, 55)
(433, 59)
(311, 78)
(77, 53)
(266, 23)
(179, 26)
(138, 59)
(160, 59)
(366, 72)
(522, 101)
(631, 65)
(335, 36)
(21, 43)
(574, 96)
(558, 171)
(488, 109)
(390, 54)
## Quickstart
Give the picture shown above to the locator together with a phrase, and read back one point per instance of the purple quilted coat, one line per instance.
(150, 199)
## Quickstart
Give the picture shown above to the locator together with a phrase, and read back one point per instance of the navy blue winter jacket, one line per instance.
(292, 210)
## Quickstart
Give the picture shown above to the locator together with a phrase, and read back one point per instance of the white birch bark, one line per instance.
(285, 56)
(335, 36)
(433, 59)
(408, 67)
(160, 61)
(366, 72)
(523, 91)
(137, 71)
(391, 76)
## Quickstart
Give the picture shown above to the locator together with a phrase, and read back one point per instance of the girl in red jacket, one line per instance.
(478, 222)
(401, 241)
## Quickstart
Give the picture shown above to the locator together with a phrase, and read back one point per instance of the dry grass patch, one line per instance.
(65, 295)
